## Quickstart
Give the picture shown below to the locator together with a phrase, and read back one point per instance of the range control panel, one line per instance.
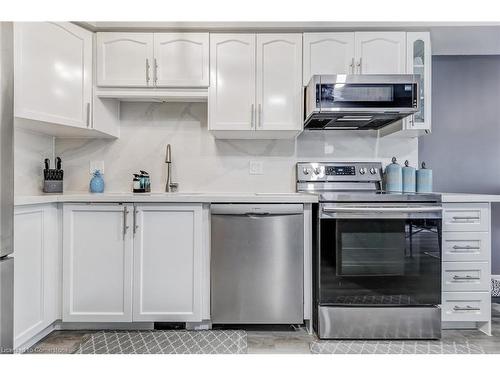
(339, 171)
(348, 170)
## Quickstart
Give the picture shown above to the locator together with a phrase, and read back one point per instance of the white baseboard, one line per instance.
(33, 340)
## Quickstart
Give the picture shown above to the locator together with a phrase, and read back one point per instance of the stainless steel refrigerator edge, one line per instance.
(6, 187)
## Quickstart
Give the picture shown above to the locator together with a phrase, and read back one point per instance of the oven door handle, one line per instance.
(383, 209)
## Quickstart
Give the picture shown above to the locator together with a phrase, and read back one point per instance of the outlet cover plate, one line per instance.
(256, 167)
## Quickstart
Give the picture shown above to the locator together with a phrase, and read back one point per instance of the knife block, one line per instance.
(52, 186)
(53, 181)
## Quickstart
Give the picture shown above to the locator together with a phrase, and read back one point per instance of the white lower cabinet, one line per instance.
(167, 263)
(97, 258)
(37, 274)
(466, 271)
(126, 263)
(466, 307)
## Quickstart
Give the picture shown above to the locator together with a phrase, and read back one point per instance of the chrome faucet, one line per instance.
(170, 186)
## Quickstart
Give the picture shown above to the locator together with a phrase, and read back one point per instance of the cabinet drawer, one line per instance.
(463, 307)
(466, 217)
(466, 276)
(466, 246)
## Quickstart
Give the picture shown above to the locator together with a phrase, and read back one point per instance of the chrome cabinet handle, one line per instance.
(155, 71)
(466, 308)
(125, 226)
(88, 115)
(135, 226)
(359, 65)
(147, 71)
(468, 247)
(467, 277)
(352, 65)
(260, 116)
(252, 116)
(466, 217)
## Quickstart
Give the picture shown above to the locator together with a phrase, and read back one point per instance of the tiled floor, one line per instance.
(274, 341)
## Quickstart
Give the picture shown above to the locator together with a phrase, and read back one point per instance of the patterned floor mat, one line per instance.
(165, 342)
(394, 347)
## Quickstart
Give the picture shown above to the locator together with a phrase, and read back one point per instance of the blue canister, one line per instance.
(394, 177)
(409, 184)
(97, 183)
(424, 180)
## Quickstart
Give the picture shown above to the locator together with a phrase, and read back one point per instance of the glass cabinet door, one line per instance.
(419, 63)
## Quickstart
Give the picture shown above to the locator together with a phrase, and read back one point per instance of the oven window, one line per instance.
(380, 262)
(370, 248)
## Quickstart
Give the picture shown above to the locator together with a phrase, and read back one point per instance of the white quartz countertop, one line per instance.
(469, 198)
(167, 197)
(181, 197)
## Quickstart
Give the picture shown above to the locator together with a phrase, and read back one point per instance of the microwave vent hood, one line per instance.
(369, 101)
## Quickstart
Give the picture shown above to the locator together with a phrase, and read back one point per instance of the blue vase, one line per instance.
(97, 183)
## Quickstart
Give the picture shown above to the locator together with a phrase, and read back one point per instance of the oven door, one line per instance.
(379, 255)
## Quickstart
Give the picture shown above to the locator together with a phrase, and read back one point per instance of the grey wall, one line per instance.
(464, 147)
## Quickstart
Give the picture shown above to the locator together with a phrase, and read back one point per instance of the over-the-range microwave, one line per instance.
(364, 101)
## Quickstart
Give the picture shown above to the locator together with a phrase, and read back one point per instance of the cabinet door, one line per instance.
(53, 73)
(380, 52)
(124, 59)
(328, 53)
(37, 271)
(279, 82)
(181, 60)
(231, 98)
(167, 263)
(418, 52)
(97, 268)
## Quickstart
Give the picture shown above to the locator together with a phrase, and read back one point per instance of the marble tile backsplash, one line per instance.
(30, 149)
(203, 164)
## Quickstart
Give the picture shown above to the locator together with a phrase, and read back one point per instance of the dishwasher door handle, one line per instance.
(265, 209)
(256, 214)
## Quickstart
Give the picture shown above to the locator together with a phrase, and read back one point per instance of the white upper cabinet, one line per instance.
(419, 58)
(232, 82)
(181, 60)
(53, 73)
(380, 52)
(97, 263)
(255, 85)
(167, 262)
(279, 82)
(328, 53)
(152, 60)
(124, 59)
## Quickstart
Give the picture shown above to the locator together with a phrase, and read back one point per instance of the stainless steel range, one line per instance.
(377, 255)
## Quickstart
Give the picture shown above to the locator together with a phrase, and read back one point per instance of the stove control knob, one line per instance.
(317, 170)
(362, 170)
(373, 171)
(305, 171)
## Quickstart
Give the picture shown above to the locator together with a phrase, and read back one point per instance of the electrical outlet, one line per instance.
(256, 167)
(328, 149)
(96, 165)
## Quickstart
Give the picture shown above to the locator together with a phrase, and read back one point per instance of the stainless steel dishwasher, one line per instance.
(257, 263)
